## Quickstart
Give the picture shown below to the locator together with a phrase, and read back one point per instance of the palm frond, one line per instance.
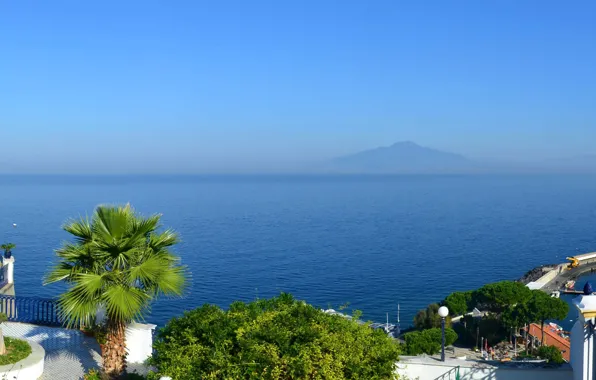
(63, 271)
(80, 229)
(110, 222)
(124, 303)
(172, 281)
(163, 240)
(146, 272)
(79, 304)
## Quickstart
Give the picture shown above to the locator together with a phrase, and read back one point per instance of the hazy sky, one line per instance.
(186, 86)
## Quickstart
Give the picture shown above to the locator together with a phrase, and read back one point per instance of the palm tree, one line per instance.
(119, 263)
(7, 247)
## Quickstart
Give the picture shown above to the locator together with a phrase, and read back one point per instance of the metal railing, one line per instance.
(39, 311)
(451, 374)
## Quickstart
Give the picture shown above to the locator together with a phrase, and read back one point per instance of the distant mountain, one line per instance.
(403, 157)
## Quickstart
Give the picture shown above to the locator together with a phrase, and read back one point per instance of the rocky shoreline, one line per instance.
(536, 273)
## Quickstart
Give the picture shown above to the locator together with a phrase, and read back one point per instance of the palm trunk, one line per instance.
(2, 346)
(113, 351)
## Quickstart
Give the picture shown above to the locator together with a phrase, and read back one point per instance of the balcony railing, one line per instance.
(39, 311)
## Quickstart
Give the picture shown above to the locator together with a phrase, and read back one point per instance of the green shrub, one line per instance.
(92, 374)
(551, 354)
(278, 338)
(428, 341)
(16, 350)
(525, 355)
(95, 374)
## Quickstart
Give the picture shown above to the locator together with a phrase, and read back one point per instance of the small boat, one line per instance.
(570, 285)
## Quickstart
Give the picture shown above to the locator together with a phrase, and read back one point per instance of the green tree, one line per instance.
(118, 262)
(499, 296)
(428, 341)
(8, 247)
(543, 307)
(551, 354)
(458, 303)
(429, 318)
(516, 316)
(278, 338)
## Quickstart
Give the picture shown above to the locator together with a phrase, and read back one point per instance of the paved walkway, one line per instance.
(69, 353)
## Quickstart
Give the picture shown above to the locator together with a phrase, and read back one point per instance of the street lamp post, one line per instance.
(443, 313)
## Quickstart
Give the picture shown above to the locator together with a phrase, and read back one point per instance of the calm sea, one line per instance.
(370, 241)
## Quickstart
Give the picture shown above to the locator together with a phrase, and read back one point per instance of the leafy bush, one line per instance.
(551, 354)
(16, 349)
(428, 341)
(93, 374)
(279, 338)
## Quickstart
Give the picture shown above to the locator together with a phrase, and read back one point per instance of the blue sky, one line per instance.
(191, 86)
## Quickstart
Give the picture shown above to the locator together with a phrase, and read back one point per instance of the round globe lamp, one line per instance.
(443, 313)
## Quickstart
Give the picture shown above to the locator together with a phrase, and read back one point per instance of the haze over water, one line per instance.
(371, 241)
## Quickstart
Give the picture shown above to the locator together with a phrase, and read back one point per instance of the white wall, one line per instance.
(440, 371)
(548, 276)
(139, 342)
(578, 343)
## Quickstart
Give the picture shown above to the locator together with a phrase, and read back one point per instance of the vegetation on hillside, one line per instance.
(278, 338)
(510, 305)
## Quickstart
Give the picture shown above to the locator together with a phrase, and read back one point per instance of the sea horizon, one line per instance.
(370, 241)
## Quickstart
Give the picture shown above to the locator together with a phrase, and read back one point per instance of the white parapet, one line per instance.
(29, 368)
(9, 264)
(429, 368)
(139, 342)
